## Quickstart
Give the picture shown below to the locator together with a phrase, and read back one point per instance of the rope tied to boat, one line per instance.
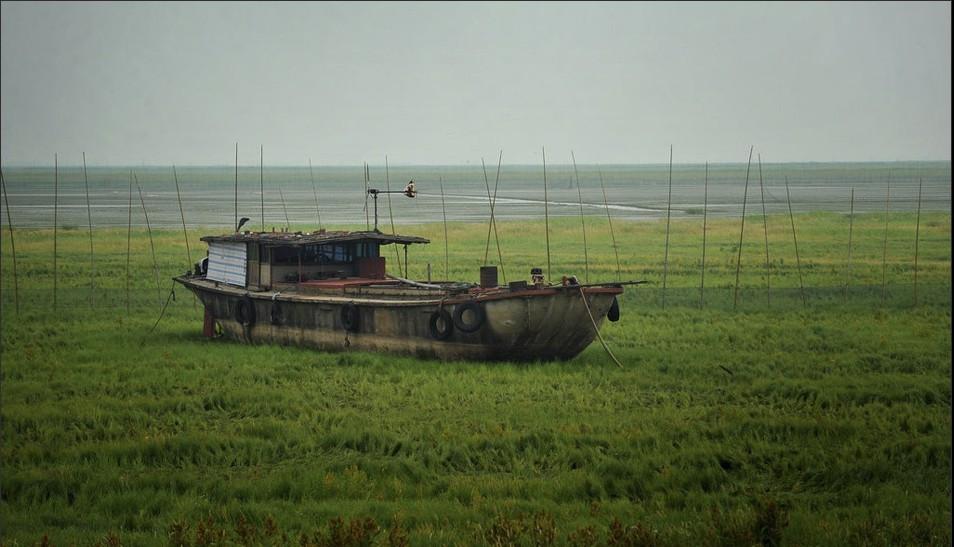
(172, 296)
(597, 330)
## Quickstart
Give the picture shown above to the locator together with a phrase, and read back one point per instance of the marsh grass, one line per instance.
(825, 424)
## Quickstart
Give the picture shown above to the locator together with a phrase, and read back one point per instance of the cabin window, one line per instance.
(284, 255)
(339, 253)
(366, 249)
(329, 254)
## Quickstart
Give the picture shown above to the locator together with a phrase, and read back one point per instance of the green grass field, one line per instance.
(826, 422)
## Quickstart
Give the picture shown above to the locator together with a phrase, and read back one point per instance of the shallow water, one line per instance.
(632, 192)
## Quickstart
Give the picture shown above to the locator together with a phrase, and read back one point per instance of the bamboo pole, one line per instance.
(851, 223)
(483, 166)
(89, 219)
(367, 214)
(546, 209)
(55, 207)
(884, 251)
(446, 252)
(917, 239)
(387, 183)
(493, 222)
(768, 264)
(235, 222)
(668, 217)
(738, 262)
(579, 194)
(798, 260)
(128, 239)
(705, 207)
(493, 218)
(314, 190)
(185, 234)
(152, 246)
(609, 219)
(261, 183)
(285, 209)
(13, 247)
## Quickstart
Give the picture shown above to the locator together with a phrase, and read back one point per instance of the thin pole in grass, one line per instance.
(55, 208)
(444, 211)
(579, 193)
(13, 247)
(546, 210)
(768, 264)
(884, 245)
(705, 208)
(798, 261)
(851, 223)
(152, 246)
(261, 183)
(367, 182)
(185, 234)
(738, 262)
(610, 220)
(314, 190)
(493, 212)
(483, 167)
(917, 239)
(387, 183)
(235, 222)
(285, 209)
(493, 221)
(89, 220)
(668, 217)
(128, 238)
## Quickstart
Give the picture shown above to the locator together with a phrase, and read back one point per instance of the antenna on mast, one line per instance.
(410, 191)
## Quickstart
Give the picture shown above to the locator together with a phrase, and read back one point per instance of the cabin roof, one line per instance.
(320, 237)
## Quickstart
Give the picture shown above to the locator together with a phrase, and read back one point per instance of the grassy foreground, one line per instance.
(823, 423)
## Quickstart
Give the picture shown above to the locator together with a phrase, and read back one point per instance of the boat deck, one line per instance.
(348, 282)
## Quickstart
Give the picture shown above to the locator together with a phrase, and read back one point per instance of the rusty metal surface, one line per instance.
(528, 325)
(320, 237)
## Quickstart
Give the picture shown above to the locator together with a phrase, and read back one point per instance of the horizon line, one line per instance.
(22, 165)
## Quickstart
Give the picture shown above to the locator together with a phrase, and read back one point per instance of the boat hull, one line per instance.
(529, 325)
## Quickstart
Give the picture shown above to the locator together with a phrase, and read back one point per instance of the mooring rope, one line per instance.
(172, 295)
(595, 328)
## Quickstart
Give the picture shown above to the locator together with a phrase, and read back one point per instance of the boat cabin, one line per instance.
(267, 260)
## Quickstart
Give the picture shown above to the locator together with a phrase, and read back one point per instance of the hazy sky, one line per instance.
(450, 83)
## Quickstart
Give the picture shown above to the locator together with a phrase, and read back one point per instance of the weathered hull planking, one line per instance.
(525, 325)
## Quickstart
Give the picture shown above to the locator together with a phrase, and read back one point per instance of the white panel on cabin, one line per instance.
(227, 262)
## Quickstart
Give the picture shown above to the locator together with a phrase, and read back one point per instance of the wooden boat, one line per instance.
(331, 291)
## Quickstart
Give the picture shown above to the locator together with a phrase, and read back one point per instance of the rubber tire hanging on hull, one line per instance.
(437, 318)
(350, 317)
(276, 313)
(613, 313)
(245, 311)
(478, 313)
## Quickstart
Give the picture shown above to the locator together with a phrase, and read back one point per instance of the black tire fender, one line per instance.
(350, 317)
(276, 313)
(613, 313)
(478, 312)
(245, 311)
(438, 318)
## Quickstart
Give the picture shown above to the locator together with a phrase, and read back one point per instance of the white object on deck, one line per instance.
(227, 262)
